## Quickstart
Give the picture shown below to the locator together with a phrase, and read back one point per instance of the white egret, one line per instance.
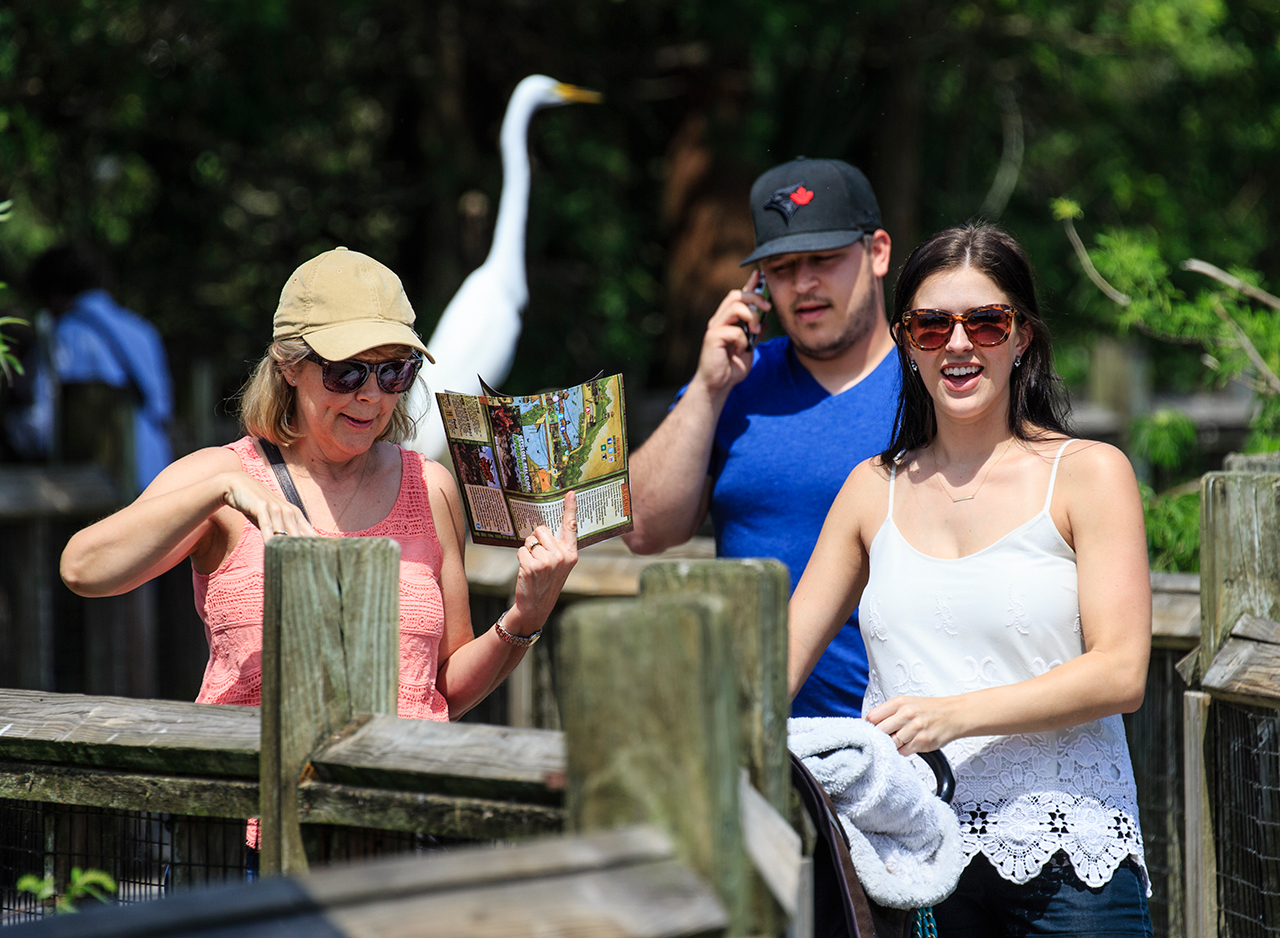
(478, 331)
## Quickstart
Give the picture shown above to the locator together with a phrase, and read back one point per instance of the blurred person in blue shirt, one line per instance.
(86, 337)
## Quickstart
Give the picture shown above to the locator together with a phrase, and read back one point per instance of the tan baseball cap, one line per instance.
(344, 303)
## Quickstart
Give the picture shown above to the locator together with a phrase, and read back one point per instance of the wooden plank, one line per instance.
(289, 906)
(129, 791)
(650, 900)
(162, 736)
(330, 648)
(802, 926)
(472, 867)
(1247, 672)
(464, 759)
(1202, 865)
(416, 811)
(1175, 618)
(28, 492)
(649, 704)
(1251, 462)
(773, 845)
(1188, 667)
(1258, 629)
(1175, 583)
(1239, 554)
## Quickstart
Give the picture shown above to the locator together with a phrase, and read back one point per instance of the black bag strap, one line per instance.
(281, 469)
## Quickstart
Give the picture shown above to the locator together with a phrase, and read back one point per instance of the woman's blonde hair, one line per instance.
(268, 401)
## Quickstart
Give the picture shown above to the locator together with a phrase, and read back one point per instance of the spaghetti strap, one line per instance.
(1053, 476)
(893, 474)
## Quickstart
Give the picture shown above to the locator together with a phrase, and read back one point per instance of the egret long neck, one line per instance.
(506, 255)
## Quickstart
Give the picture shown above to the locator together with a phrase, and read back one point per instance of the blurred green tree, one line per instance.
(211, 145)
(1233, 321)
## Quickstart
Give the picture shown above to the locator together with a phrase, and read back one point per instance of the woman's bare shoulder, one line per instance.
(437, 477)
(1094, 475)
(865, 495)
(871, 471)
(1087, 458)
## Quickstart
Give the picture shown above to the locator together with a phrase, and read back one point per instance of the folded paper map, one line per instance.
(517, 458)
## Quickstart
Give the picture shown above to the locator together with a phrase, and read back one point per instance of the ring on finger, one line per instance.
(284, 533)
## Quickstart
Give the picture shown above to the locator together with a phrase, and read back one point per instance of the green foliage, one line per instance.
(8, 363)
(1241, 338)
(1064, 209)
(1173, 530)
(94, 884)
(211, 145)
(1241, 343)
(1164, 438)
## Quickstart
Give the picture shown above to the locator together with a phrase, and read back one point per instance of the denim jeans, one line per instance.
(1054, 903)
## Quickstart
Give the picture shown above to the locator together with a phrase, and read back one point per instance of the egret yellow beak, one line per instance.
(578, 95)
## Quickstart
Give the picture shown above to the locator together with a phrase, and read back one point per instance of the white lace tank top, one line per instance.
(939, 626)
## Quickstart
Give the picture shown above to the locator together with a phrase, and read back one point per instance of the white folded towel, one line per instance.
(904, 842)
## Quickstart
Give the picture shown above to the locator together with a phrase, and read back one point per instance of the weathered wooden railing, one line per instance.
(1232, 718)
(359, 773)
(670, 697)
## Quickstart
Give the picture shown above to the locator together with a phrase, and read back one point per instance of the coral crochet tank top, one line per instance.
(938, 626)
(229, 600)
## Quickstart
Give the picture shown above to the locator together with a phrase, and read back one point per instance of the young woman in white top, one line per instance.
(1000, 572)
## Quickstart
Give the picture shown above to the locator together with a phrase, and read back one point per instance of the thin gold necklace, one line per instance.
(337, 521)
(937, 474)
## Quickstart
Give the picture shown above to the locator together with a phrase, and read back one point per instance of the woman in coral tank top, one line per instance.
(330, 399)
(999, 568)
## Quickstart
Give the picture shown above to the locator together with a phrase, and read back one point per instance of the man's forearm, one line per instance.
(669, 474)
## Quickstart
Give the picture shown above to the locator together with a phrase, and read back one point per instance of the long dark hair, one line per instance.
(1037, 403)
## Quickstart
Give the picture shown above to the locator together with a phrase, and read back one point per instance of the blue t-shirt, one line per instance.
(99, 340)
(783, 448)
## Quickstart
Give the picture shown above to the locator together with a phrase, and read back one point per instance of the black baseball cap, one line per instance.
(811, 205)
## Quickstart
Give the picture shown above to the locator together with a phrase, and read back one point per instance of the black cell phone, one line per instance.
(761, 289)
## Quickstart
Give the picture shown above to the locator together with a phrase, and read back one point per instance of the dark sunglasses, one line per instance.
(346, 377)
(986, 326)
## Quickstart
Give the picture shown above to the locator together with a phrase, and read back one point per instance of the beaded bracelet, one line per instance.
(519, 641)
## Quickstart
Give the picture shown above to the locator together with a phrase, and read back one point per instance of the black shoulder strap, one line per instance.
(281, 469)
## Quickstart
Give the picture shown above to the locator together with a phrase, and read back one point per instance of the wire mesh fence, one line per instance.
(150, 855)
(1246, 808)
(1155, 746)
(147, 854)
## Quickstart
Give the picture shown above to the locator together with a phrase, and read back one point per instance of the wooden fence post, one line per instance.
(1202, 867)
(649, 706)
(1239, 609)
(1239, 554)
(330, 650)
(755, 593)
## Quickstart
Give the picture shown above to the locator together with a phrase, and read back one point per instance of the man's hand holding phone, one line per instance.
(731, 336)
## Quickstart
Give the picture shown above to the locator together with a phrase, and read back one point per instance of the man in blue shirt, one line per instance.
(94, 340)
(763, 438)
